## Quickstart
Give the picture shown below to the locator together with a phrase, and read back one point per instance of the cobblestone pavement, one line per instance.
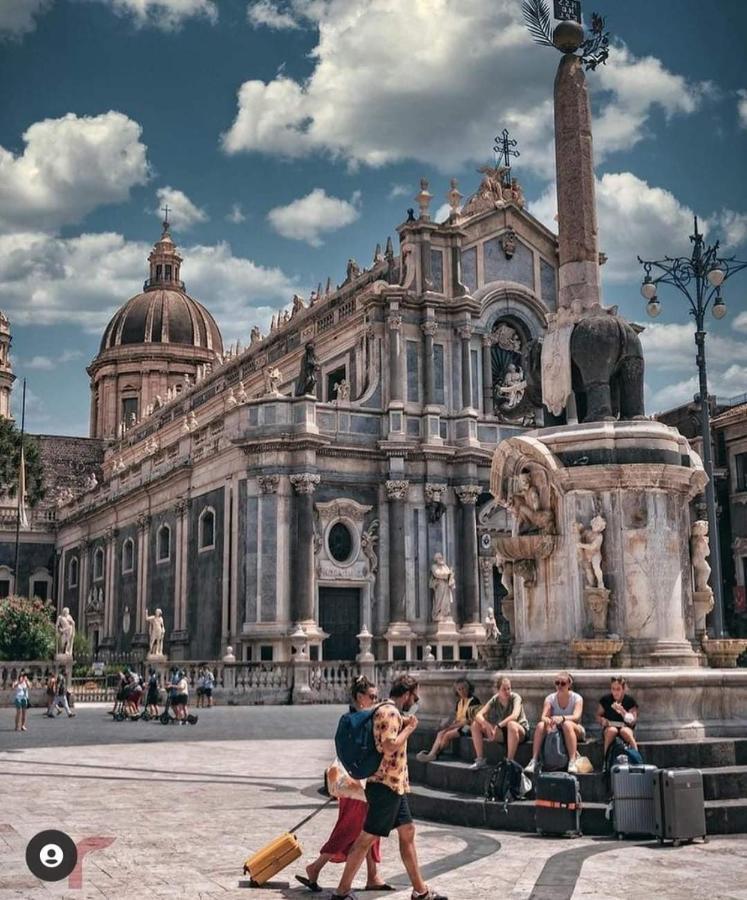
(184, 811)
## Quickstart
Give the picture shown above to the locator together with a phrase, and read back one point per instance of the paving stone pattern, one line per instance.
(185, 811)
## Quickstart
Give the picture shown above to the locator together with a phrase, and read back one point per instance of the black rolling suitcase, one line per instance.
(679, 805)
(557, 804)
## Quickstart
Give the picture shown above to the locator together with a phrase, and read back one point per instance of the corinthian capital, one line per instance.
(268, 484)
(434, 493)
(397, 490)
(468, 494)
(429, 328)
(465, 332)
(305, 483)
(394, 322)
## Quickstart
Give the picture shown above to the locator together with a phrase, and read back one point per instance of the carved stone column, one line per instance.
(302, 611)
(83, 573)
(179, 639)
(487, 374)
(109, 625)
(465, 335)
(394, 322)
(429, 330)
(469, 606)
(143, 528)
(399, 634)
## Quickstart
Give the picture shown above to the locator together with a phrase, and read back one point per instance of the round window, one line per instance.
(340, 542)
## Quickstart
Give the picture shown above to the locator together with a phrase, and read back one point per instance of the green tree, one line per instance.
(10, 461)
(26, 629)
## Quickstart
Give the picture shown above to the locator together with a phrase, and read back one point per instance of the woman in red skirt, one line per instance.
(350, 817)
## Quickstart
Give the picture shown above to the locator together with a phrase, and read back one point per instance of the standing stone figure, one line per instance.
(491, 627)
(590, 551)
(306, 383)
(700, 550)
(65, 632)
(527, 508)
(156, 632)
(442, 584)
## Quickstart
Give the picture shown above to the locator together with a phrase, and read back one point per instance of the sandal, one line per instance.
(349, 896)
(379, 887)
(307, 882)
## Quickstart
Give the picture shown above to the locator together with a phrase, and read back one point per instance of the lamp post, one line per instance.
(700, 278)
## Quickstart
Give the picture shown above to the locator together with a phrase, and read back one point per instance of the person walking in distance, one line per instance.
(386, 792)
(21, 700)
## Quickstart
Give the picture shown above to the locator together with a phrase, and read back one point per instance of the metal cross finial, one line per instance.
(503, 145)
(165, 211)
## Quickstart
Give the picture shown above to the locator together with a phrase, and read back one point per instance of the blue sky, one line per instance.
(289, 135)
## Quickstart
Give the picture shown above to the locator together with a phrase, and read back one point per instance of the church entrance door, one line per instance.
(340, 617)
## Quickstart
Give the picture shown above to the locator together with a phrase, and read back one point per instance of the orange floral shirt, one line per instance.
(387, 724)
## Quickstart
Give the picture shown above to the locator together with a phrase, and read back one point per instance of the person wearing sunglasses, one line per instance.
(351, 814)
(562, 709)
(467, 705)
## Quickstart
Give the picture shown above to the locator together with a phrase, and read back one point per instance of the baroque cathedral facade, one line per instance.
(309, 479)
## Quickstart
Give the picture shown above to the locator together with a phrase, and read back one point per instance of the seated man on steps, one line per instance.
(501, 719)
(562, 709)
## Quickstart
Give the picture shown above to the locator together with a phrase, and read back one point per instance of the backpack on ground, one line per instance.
(507, 782)
(554, 756)
(616, 749)
(355, 745)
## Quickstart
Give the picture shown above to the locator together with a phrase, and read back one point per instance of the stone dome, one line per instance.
(162, 315)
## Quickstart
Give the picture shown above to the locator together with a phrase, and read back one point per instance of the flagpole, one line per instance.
(21, 485)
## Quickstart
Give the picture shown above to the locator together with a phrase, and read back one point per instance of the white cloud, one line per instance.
(182, 212)
(271, 15)
(47, 281)
(309, 217)
(742, 107)
(69, 167)
(236, 216)
(40, 362)
(166, 14)
(49, 362)
(390, 82)
(740, 322)
(18, 17)
(636, 218)
(724, 384)
(399, 190)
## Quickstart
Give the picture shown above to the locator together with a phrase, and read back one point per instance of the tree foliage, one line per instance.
(26, 629)
(10, 461)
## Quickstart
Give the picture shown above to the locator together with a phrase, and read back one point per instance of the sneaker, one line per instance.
(479, 763)
(530, 766)
(572, 767)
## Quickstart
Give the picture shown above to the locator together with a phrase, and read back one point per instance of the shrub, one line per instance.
(26, 629)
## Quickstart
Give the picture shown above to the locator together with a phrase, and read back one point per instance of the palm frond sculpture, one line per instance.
(537, 18)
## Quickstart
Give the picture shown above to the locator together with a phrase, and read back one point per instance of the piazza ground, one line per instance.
(185, 806)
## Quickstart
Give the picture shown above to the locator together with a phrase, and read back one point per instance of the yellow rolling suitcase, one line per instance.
(275, 856)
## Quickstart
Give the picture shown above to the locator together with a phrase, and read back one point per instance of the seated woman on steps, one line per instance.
(467, 706)
(502, 718)
(562, 709)
(617, 713)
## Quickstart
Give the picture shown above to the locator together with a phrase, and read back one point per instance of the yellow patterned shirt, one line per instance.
(387, 724)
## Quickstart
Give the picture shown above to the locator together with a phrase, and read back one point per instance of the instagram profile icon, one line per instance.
(51, 855)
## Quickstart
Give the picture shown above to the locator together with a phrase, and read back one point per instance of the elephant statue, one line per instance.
(606, 370)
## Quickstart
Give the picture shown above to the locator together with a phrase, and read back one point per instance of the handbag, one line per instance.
(341, 784)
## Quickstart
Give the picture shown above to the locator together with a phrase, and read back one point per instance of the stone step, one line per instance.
(705, 753)
(720, 783)
(451, 808)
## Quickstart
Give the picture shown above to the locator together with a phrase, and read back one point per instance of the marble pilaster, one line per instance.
(302, 610)
(469, 580)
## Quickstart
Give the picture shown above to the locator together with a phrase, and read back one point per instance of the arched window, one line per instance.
(40, 584)
(7, 582)
(98, 564)
(72, 572)
(128, 556)
(206, 529)
(163, 549)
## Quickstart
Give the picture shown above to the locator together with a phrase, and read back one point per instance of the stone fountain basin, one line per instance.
(515, 547)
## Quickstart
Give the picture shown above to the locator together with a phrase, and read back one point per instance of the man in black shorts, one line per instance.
(386, 792)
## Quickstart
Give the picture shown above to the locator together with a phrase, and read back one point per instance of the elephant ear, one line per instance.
(637, 328)
(612, 310)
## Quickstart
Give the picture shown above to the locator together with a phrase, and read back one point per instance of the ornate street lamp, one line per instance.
(699, 277)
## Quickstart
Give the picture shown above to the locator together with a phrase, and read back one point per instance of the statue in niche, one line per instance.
(590, 550)
(272, 378)
(442, 584)
(65, 628)
(126, 620)
(342, 390)
(368, 546)
(307, 377)
(156, 632)
(492, 632)
(527, 508)
(700, 550)
(506, 568)
(92, 482)
(511, 392)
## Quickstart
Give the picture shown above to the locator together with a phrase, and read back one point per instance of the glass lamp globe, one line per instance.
(716, 277)
(653, 307)
(648, 290)
(719, 309)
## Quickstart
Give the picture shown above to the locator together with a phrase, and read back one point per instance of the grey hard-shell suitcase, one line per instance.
(633, 808)
(557, 804)
(679, 805)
